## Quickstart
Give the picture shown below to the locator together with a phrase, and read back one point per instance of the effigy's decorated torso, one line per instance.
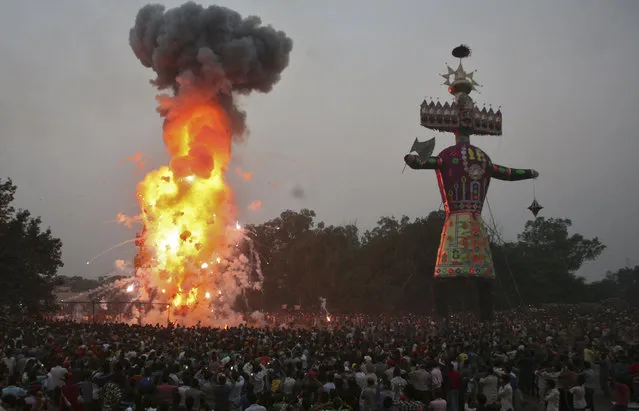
(464, 176)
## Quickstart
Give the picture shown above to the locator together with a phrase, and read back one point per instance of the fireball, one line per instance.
(187, 205)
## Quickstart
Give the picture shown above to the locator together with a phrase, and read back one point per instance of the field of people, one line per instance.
(545, 359)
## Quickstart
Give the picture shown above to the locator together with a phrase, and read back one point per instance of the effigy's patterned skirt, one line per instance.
(464, 249)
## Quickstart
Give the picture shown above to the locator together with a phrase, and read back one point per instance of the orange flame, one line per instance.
(186, 207)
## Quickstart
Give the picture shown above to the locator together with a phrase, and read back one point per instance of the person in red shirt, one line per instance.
(622, 395)
(452, 389)
(69, 395)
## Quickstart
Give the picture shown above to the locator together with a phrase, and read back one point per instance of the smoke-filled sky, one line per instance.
(75, 102)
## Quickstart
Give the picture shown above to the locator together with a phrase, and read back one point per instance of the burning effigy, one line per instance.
(191, 251)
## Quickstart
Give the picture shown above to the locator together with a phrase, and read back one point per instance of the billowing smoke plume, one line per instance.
(214, 47)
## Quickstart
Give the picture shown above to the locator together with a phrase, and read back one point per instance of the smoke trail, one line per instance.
(113, 247)
(323, 307)
(211, 48)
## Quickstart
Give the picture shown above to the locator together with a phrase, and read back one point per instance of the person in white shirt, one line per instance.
(490, 387)
(259, 379)
(552, 396)
(288, 385)
(579, 395)
(360, 377)
(56, 377)
(545, 376)
(436, 378)
(506, 394)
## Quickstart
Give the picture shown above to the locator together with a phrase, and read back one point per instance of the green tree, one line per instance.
(286, 245)
(336, 255)
(624, 283)
(29, 257)
(399, 256)
(540, 267)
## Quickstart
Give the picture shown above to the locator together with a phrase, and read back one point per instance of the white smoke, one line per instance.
(258, 318)
(323, 307)
(123, 266)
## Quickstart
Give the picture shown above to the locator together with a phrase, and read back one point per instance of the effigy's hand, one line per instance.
(412, 160)
(535, 173)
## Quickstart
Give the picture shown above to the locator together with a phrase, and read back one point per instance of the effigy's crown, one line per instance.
(459, 81)
(462, 113)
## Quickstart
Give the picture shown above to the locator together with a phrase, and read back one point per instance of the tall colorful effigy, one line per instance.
(464, 171)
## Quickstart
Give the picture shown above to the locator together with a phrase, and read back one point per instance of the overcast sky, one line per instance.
(75, 102)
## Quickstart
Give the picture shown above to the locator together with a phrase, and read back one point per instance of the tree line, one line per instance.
(390, 267)
(386, 268)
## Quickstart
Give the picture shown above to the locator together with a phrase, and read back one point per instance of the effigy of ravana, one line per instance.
(463, 172)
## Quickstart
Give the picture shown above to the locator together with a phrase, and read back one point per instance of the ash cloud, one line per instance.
(216, 46)
(298, 192)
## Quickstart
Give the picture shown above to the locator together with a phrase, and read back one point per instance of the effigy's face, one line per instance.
(465, 108)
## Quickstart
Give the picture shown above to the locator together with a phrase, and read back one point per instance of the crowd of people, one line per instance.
(552, 359)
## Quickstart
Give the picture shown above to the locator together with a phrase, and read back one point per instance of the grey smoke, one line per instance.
(220, 49)
(298, 192)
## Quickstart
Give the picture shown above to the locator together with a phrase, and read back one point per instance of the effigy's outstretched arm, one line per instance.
(417, 163)
(513, 174)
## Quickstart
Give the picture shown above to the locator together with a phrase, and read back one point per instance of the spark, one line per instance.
(207, 295)
(205, 265)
